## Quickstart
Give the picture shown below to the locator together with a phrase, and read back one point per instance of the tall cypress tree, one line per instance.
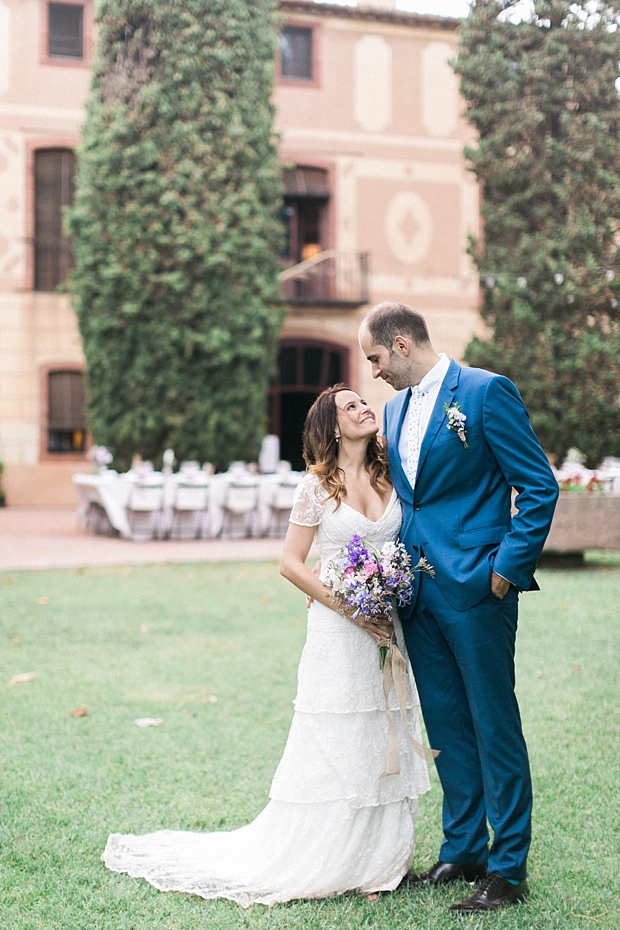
(542, 96)
(175, 228)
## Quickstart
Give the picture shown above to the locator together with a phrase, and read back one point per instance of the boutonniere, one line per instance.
(456, 422)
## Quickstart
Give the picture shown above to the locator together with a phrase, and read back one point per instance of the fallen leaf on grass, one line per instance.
(43, 600)
(25, 676)
(15, 639)
(576, 669)
(539, 674)
(264, 598)
(149, 721)
(79, 712)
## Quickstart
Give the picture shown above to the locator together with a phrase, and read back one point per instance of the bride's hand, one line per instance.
(380, 630)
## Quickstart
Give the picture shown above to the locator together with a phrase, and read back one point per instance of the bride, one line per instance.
(332, 824)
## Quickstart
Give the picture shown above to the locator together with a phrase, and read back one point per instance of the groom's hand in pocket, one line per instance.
(499, 585)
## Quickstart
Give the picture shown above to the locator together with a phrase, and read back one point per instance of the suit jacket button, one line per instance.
(418, 507)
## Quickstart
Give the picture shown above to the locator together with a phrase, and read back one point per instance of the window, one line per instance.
(296, 53)
(54, 171)
(65, 36)
(66, 419)
(306, 192)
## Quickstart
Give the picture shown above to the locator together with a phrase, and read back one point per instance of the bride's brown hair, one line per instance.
(321, 449)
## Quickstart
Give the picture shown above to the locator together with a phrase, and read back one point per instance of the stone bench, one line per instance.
(582, 521)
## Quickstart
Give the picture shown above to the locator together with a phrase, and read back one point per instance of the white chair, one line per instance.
(189, 507)
(189, 468)
(281, 507)
(145, 507)
(239, 509)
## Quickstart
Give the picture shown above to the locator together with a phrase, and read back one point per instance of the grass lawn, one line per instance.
(163, 641)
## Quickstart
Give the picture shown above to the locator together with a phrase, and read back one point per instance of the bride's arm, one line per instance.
(293, 567)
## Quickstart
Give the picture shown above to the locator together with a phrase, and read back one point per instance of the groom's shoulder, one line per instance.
(479, 377)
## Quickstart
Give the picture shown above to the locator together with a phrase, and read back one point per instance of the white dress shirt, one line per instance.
(429, 385)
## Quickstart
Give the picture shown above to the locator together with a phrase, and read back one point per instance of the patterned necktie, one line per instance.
(413, 433)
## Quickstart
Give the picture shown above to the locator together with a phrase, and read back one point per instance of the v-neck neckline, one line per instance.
(363, 515)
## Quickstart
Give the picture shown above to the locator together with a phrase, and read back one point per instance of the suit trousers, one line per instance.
(463, 663)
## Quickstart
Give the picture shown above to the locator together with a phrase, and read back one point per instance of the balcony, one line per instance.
(329, 279)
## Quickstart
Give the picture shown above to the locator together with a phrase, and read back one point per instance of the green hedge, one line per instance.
(176, 229)
(542, 97)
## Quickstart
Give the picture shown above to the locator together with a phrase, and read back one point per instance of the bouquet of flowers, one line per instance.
(372, 581)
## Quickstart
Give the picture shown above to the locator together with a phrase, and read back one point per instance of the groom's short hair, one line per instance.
(388, 320)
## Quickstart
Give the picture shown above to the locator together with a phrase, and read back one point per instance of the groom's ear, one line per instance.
(401, 345)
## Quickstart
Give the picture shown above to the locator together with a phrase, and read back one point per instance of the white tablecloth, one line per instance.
(112, 492)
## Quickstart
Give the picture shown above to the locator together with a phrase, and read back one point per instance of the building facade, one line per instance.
(378, 206)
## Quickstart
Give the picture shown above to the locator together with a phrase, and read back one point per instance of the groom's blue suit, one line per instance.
(460, 636)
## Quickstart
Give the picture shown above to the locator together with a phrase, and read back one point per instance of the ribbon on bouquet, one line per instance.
(395, 672)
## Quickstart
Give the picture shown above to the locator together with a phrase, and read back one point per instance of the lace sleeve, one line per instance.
(308, 502)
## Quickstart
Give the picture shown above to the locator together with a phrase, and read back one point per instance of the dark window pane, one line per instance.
(296, 52)
(66, 30)
(66, 440)
(66, 419)
(287, 365)
(309, 223)
(289, 221)
(334, 372)
(54, 171)
(294, 409)
(313, 359)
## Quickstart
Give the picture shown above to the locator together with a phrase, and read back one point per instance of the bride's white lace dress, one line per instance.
(332, 824)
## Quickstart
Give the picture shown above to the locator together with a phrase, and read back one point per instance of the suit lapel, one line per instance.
(445, 396)
(400, 406)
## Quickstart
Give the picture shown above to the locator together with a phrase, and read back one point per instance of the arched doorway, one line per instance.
(305, 368)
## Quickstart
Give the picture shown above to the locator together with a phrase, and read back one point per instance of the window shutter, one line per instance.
(65, 30)
(54, 171)
(296, 52)
(66, 418)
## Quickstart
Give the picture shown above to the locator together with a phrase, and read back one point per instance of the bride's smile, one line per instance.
(356, 420)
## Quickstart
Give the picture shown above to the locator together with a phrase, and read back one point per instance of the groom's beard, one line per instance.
(398, 374)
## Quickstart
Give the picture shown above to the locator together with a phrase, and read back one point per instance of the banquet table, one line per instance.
(112, 493)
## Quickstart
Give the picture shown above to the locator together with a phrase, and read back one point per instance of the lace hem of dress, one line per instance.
(344, 850)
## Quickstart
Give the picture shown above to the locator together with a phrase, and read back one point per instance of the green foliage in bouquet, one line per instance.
(542, 96)
(176, 228)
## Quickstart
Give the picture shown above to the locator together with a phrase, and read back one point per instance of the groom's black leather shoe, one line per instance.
(443, 872)
(493, 893)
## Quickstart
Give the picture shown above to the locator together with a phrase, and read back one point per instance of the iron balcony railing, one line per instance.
(331, 278)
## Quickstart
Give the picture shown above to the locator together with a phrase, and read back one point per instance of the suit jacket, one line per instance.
(459, 514)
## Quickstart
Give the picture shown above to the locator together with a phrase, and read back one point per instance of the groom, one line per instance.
(459, 441)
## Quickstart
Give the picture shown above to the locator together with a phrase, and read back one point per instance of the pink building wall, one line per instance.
(381, 115)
